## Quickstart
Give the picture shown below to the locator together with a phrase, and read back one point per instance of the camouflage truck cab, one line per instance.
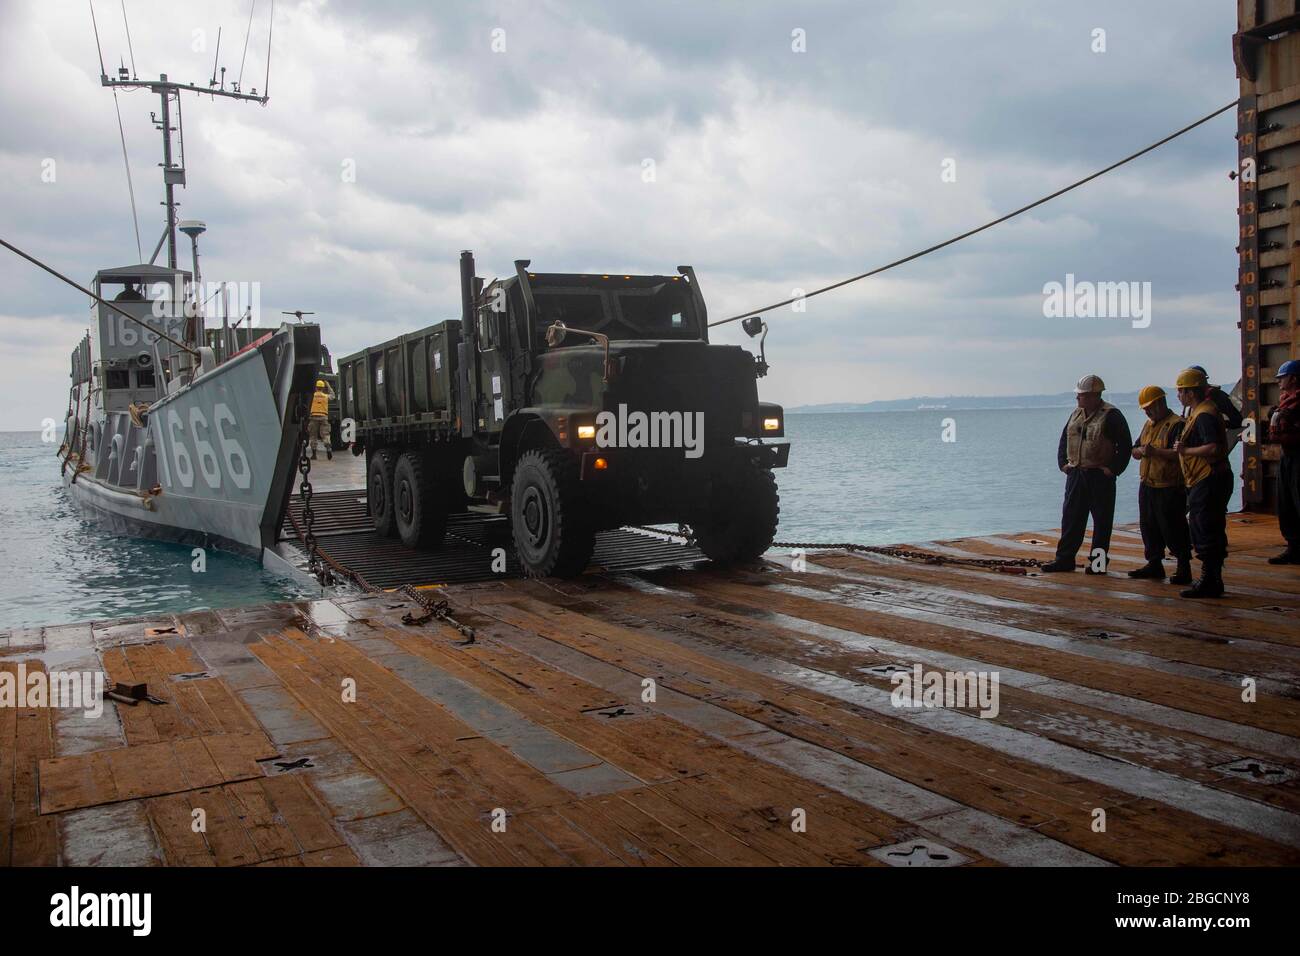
(572, 403)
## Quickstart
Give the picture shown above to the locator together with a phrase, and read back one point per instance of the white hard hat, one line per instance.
(1090, 383)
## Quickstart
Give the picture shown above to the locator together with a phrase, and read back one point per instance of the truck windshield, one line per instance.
(663, 311)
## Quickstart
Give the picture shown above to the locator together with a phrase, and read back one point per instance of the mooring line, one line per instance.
(988, 225)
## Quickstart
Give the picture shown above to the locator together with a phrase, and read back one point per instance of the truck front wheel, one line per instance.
(379, 492)
(742, 522)
(420, 513)
(551, 534)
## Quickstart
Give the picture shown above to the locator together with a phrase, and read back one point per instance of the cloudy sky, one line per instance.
(523, 130)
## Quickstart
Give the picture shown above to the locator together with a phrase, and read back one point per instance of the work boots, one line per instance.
(329, 453)
(1209, 586)
(313, 454)
(1184, 573)
(1152, 569)
(1057, 565)
(1289, 556)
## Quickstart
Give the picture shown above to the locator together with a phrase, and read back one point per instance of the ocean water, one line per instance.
(871, 478)
(889, 477)
(56, 568)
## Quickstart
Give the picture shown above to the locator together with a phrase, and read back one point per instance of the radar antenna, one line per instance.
(166, 90)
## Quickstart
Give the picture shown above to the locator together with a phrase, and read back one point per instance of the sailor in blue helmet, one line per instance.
(1284, 428)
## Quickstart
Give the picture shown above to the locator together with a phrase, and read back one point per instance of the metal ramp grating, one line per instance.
(343, 530)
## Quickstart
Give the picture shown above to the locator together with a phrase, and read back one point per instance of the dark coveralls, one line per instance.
(1092, 491)
(1162, 514)
(1230, 412)
(1285, 429)
(1207, 499)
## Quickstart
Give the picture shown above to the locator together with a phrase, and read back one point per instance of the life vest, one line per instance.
(1085, 445)
(1196, 470)
(1160, 472)
(320, 405)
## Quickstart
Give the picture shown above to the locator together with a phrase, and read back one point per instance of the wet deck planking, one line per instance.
(770, 739)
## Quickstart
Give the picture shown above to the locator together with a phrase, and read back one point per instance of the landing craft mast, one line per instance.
(173, 175)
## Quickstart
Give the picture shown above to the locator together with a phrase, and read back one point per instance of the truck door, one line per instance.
(494, 398)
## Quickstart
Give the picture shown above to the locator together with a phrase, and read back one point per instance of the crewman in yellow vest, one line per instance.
(1162, 500)
(1094, 449)
(318, 427)
(1203, 454)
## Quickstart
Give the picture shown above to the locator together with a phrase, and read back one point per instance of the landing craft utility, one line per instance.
(572, 404)
(175, 431)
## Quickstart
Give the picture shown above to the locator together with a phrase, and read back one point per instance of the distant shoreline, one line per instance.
(957, 403)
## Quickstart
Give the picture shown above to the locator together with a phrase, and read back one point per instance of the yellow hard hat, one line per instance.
(320, 383)
(1090, 383)
(1191, 378)
(1150, 394)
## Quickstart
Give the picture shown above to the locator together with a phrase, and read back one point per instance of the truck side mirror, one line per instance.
(753, 326)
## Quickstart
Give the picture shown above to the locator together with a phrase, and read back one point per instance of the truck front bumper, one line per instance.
(765, 454)
(607, 465)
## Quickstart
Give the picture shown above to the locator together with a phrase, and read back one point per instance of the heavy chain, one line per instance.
(315, 566)
(909, 555)
(688, 538)
(328, 571)
(433, 609)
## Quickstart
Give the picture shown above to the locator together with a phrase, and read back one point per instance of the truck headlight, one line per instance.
(771, 424)
(586, 431)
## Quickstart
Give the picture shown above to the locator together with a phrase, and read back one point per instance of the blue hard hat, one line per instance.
(1289, 367)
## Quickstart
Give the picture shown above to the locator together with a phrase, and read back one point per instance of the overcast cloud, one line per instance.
(774, 170)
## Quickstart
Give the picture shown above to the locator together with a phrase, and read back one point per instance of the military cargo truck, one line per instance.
(573, 404)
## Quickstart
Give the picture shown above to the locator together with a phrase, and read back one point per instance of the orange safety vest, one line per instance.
(320, 405)
(1159, 472)
(1196, 470)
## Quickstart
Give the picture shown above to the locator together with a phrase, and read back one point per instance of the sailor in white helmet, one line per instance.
(1093, 450)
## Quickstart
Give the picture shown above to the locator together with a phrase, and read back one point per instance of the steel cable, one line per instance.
(988, 225)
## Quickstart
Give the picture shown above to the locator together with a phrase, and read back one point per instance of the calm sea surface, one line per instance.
(872, 478)
(888, 477)
(56, 568)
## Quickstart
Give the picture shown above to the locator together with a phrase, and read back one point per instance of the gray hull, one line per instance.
(214, 463)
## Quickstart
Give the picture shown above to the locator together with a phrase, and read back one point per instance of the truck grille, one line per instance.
(688, 377)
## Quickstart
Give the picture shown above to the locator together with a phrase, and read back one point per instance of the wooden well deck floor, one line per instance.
(772, 705)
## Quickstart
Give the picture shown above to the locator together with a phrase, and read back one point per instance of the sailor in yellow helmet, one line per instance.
(1094, 449)
(318, 427)
(1162, 499)
(1203, 454)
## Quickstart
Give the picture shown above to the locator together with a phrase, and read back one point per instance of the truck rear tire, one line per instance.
(418, 507)
(379, 492)
(742, 523)
(551, 534)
